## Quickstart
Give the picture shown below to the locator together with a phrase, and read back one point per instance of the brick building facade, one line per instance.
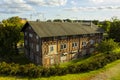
(48, 43)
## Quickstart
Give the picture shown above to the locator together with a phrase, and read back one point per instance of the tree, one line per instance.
(49, 20)
(67, 20)
(96, 22)
(114, 31)
(106, 25)
(107, 46)
(6, 40)
(11, 34)
(57, 20)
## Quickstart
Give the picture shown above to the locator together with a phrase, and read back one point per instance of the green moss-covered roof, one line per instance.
(50, 29)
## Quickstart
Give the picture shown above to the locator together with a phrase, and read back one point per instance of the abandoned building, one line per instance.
(48, 43)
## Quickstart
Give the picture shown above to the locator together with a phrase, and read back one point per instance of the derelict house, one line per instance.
(48, 43)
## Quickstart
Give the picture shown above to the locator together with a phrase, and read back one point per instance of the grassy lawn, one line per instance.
(78, 61)
(117, 77)
(112, 70)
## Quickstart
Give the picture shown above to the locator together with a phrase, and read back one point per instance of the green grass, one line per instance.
(74, 61)
(79, 61)
(117, 77)
(87, 75)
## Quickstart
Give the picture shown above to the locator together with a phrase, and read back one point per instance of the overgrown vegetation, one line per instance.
(31, 70)
(10, 35)
(107, 46)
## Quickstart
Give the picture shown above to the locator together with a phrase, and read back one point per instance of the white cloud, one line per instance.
(73, 2)
(14, 6)
(47, 2)
(92, 8)
(105, 1)
(21, 6)
(97, 1)
(72, 9)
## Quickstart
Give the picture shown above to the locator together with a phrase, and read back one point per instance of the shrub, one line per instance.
(107, 46)
(4, 68)
(14, 69)
(31, 70)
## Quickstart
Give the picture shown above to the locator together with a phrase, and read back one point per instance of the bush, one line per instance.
(31, 70)
(107, 46)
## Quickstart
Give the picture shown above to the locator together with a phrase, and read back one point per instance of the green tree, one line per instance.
(57, 20)
(67, 20)
(96, 22)
(107, 46)
(11, 34)
(49, 20)
(106, 25)
(115, 30)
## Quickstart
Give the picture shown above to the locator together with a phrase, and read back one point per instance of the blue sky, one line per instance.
(62, 9)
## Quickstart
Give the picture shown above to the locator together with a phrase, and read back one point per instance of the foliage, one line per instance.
(112, 28)
(31, 70)
(82, 76)
(107, 46)
(67, 20)
(57, 20)
(96, 22)
(106, 25)
(10, 35)
(115, 30)
(49, 20)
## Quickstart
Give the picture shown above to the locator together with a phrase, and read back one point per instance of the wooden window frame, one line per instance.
(63, 46)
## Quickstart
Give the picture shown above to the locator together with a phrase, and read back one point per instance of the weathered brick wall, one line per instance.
(69, 52)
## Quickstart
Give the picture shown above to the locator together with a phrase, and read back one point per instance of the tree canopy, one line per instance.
(57, 20)
(106, 25)
(114, 31)
(10, 35)
(107, 46)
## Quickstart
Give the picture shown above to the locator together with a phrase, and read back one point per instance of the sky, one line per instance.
(60, 9)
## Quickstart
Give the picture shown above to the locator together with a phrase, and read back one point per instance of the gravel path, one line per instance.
(107, 74)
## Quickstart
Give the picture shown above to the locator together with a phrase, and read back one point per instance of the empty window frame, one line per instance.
(92, 41)
(51, 48)
(37, 37)
(74, 44)
(84, 43)
(63, 46)
(30, 35)
(26, 42)
(37, 47)
(25, 33)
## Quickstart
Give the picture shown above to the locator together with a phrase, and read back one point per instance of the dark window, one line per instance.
(63, 46)
(83, 43)
(74, 44)
(51, 48)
